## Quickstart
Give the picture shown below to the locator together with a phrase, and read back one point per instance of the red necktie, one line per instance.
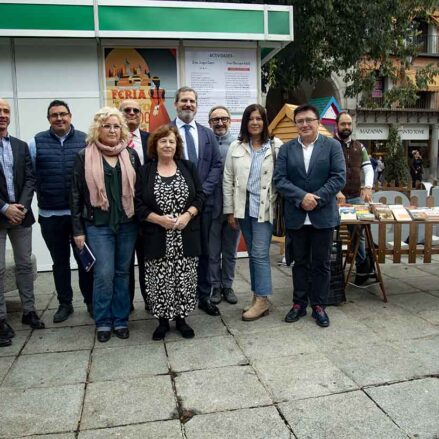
(131, 141)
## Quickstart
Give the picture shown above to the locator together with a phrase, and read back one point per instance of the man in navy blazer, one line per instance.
(201, 147)
(309, 172)
(139, 142)
(17, 185)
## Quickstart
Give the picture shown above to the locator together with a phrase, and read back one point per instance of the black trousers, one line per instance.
(311, 252)
(204, 285)
(57, 233)
(139, 252)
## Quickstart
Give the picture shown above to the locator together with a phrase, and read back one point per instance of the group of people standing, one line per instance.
(177, 198)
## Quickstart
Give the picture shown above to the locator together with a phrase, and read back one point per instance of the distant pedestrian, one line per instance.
(416, 168)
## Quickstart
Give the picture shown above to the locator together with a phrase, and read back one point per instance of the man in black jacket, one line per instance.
(17, 185)
(139, 141)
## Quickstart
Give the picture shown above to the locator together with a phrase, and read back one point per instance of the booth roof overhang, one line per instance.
(270, 25)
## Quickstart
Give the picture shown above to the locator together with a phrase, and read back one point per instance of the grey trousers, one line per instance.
(223, 241)
(21, 241)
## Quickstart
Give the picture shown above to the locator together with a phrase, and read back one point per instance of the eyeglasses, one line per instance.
(216, 120)
(61, 115)
(129, 110)
(307, 121)
(109, 126)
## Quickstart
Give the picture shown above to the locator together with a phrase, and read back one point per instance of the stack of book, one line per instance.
(400, 212)
(363, 212)
(382, 212)
(347, 213)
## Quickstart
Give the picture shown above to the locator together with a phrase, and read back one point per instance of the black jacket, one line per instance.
(80, 205)
(24, 182)
(153, 235)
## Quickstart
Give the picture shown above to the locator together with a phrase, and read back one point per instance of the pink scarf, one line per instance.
(94, 175)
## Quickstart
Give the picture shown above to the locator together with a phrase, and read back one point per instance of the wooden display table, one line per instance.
(380, 251)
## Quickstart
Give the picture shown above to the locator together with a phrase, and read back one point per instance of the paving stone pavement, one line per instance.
(374, 373)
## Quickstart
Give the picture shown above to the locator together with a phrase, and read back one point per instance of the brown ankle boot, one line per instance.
(258, 310)
(249, 306)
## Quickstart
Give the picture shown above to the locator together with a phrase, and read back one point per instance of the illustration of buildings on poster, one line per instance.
(146, 75)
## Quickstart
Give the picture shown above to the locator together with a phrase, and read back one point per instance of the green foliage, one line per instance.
(396, 163)
(359, 39)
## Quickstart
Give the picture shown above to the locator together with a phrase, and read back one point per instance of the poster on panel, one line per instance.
(146, 75)
(222, 77)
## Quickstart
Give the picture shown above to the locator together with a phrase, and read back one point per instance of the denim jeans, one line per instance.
(113, 252)
(361, 254)
(57, 234)
(257, 238)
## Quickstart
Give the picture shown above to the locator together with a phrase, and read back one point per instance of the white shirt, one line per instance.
(307, 153)
(180, 125)
(137, 140)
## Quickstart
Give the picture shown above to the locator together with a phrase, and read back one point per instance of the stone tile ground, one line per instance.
(374, 373)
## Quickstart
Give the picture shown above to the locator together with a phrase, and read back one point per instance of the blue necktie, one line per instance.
(190, 145)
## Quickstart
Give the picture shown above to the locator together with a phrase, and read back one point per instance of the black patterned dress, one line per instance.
(171, 281)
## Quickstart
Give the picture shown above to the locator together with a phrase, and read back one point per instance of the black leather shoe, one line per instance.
(33, 320)
(229, 296)
(63, 313)
(208, 308)
(183, 328)
(161, 330)
(104, 336)
(5, 334)
(320, 316)
(295, 313)
(6, 330)
(5, 341)
(122, 333)
(215, 297)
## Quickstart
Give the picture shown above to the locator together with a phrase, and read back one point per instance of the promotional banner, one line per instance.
(146, 75)
(222, 77)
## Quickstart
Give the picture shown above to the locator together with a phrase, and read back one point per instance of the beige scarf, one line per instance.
(94, 175)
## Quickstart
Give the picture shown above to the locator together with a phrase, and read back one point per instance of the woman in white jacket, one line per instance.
(249, 197)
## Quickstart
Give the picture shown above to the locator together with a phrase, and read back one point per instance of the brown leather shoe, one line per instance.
(258, 310)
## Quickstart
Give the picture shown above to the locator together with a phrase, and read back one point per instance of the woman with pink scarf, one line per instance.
(102, 204)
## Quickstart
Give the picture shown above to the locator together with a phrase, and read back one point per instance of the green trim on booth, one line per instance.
(131, 18)
(278, 23)
(46, 17)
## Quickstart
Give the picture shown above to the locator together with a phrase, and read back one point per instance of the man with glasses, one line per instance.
(310, 171)
(201, 147)
(223, 239)
(17, 184)
(53, 153)
(138, 141)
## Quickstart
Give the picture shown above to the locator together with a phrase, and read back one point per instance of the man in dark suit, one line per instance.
(139, 142)
(201, 147)
(17, 185)
(309, 173)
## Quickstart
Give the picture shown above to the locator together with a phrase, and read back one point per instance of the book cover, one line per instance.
(400, 213)
(384, 214)
(86, 257)
(347, 213)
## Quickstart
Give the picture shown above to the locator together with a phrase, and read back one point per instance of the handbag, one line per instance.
(279, 228)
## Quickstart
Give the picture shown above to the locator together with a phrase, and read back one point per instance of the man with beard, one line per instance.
(201, 148)
(357, 161)
(223, 239)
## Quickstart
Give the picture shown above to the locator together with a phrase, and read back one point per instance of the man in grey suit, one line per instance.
(201, 147)
(17, 185)
(309, 172)
(223, 239)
